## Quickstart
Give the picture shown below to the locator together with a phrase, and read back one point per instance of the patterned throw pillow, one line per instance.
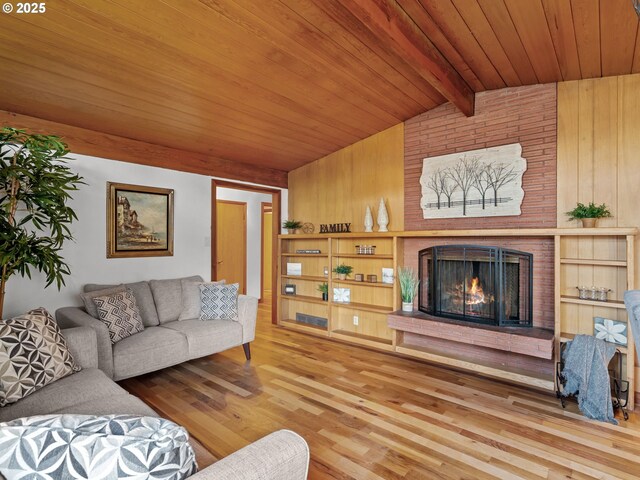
(33, 353)
(119, 312)
(191, 298)
(86, 446)
(219, 302)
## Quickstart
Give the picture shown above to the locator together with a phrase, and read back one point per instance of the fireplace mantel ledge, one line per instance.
(535, 342)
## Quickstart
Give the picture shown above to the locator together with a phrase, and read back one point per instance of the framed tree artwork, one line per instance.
(139, 221)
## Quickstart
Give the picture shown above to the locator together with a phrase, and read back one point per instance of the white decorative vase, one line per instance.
(383, 217)
(368, 221)
(407, 306)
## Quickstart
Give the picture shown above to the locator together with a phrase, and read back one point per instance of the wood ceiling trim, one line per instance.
(446, 16)
(498, 17)
(158, 84)
(586, 22)
(618, 29)
(302, 27)
(89, 142)
(386, 18)
(231, 61)
(481, 29)
(271, 56)
(170, 132)
(342, 29)
(531, 23)
(426, 24)
(563, 35)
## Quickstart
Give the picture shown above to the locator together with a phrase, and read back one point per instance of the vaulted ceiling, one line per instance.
(282, 83)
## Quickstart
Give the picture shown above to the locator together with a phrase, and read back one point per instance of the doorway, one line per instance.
(266, 240)
(231, 243)
(256, 282)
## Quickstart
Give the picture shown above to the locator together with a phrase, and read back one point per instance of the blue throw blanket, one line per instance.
(586, 362)
(632, 302)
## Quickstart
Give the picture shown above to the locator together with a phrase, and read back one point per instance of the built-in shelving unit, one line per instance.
(371, 302)
(603, 257)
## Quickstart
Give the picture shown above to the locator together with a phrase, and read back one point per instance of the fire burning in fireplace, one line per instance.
(490, 285)
(475, 294)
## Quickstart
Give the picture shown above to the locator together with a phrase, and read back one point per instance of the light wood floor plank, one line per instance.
(370, 415)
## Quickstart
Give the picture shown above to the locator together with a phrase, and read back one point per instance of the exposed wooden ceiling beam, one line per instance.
(89, 142)
(386, 18)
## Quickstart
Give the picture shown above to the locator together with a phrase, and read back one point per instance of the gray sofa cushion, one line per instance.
(147, 351)
(144, 300)
(124, 404)
(167, 295)
(208, 336)
(87, 385)
(88, 296)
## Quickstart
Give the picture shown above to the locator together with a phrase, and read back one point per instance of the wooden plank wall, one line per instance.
(598, 145)
(337, 188)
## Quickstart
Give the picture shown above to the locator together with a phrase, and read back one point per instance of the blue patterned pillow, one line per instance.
(219, 301)
(91, 447)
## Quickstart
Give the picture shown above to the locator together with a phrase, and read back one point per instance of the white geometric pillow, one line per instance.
(33, 353)
(219, 302)
(119, 312)
(95, 447)
(191, 297)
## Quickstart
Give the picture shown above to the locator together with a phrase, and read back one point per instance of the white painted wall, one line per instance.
(254, 226)
(86, 256)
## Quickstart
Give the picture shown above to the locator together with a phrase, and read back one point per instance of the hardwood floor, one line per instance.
(370, 415)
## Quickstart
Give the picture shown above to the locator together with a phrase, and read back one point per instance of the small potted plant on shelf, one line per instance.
(343, 271)
(324, 289)
(589, 214)
(408, 280)
(292, 225)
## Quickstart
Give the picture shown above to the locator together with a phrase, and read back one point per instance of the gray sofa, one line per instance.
(282, 455)
(166, 340)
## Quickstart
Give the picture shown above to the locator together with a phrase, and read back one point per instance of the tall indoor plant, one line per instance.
(35, 185)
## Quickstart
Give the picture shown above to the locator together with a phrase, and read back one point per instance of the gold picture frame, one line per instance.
(139, 221)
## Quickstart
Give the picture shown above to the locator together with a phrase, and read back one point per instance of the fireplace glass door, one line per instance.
(479, 284)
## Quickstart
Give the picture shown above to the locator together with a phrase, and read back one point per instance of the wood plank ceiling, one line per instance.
(281, 83)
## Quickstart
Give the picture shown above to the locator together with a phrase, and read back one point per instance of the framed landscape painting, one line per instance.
(139, 221)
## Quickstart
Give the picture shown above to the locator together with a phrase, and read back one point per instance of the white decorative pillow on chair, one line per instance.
(87, 446)
(219, 302)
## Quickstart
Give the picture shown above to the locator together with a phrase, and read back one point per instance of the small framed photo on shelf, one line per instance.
(359, 277)
(372, 278)
(294, 269)
(342, 295)
(609, 330)
(289, 289)
(387, 275)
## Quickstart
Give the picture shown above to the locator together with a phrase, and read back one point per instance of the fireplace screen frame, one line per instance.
(497, 258)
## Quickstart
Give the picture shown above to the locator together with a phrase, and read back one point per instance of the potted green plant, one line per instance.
(589, 214)
(292, 225)
(35, 185)
(343, 271)
(324, 289)
(409, 281)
